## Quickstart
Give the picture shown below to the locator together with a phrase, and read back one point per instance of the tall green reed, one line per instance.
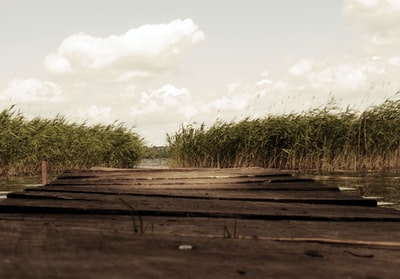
(24, 143)
(325, 139)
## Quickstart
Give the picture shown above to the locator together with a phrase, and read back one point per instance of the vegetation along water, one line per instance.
(321, 139)
(65, 145)
(326, 140)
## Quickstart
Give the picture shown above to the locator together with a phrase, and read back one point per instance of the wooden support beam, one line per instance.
(44, 172)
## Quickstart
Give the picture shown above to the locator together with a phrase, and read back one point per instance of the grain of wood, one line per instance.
(83, 225)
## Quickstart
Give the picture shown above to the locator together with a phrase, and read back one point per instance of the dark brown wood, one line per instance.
(178, 206)
(194, 223)
(266, 195)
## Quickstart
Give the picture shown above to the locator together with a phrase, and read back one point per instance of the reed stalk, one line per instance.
(64, 145)
(325, 139)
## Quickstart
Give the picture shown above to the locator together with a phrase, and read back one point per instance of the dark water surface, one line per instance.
(385, 188)
(12, 184)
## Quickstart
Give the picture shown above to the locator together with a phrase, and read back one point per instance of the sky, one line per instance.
(158, 65)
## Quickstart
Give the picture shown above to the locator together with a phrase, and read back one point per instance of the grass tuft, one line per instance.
(137, 228)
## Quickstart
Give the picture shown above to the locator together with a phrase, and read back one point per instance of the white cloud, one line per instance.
(96, 114)
(32, 91)
(301, 68)
(379, 18)
(166, 103)
(280, 86)
(139, 52)
(263, 82)
(395, 61)
(57, 64)
(131, 86)
(374, 14)
(227, 104)
(168, 96)
(345, 76)
(356, 82)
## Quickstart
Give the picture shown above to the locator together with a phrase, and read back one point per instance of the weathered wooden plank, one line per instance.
(161, 206)
(208, 227)
(314, 197)
(153, 174)
(105, 247)
(173, 180)
(191, 184)
(178, 172)
(130, 223)
(227, 179)
(179, 181)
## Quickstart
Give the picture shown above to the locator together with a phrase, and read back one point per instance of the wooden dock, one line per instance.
(195, 223)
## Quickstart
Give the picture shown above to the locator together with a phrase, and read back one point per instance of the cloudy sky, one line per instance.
(156, 64)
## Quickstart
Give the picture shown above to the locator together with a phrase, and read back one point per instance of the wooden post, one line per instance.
(44, 172)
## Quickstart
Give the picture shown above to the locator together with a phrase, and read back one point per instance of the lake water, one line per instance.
(385, 188)
(12, 184)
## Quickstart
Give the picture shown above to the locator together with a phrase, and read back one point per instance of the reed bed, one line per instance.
(65, 145)
(324, 139)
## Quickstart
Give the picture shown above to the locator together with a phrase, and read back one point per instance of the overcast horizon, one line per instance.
(158, 64)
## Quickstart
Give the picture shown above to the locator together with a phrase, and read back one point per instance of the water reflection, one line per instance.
(12, 184)
(384, 187)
